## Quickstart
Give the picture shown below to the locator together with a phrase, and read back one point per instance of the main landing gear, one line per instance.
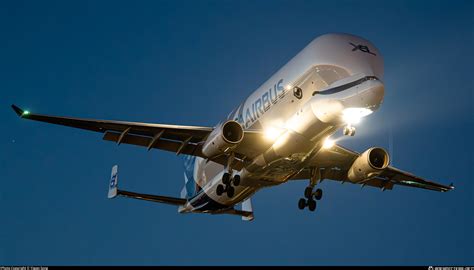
(349, 130)
(311, 197)
(228, 182)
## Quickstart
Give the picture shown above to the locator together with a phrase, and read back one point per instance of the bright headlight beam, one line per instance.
(353, 115)
(272, 133)
(328, 143)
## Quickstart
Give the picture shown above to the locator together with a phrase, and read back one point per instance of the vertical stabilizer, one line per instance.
(189, 188)
(113, 182)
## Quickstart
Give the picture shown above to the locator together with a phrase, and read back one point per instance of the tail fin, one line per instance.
(189, 188)
(113, 182)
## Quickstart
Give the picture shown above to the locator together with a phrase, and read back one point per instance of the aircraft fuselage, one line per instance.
(315, 94)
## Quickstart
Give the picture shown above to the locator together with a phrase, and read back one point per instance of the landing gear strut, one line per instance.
(228, 182)
(349, 130)
(310, 196)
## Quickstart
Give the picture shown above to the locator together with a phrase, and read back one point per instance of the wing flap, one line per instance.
(167, 145)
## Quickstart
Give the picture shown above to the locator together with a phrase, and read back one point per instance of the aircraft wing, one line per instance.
(335, 163)
(174, 138)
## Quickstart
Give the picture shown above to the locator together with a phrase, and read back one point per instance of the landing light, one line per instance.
(328, 143)
(25, 113)
(353, 115)
(272, 133)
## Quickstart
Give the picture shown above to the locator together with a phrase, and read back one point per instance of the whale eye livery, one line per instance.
(282, 132)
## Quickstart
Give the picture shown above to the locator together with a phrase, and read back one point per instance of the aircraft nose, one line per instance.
(367, 100)
(369, 96)
(355, 99)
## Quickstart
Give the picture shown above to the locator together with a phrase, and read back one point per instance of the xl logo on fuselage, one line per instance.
(361, 48)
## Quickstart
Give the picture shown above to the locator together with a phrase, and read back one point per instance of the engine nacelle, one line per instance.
(371, 163)
(223, 139)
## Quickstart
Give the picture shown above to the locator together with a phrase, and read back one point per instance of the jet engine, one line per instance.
(371, 163)
(223, 138)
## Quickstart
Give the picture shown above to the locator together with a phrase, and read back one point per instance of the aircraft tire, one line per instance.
(230, 191)
(219, 190)
(236, 180)
(318, 194)
(311, 205)
(308, 192)
(301, 204)
(346, 131)
(226, 178)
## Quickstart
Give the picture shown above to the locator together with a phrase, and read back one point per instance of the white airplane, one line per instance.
(280, 133)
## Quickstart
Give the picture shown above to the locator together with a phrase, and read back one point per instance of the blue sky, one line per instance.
(191, 63)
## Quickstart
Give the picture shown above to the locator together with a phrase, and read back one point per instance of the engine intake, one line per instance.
(371, 163)
(223, 138)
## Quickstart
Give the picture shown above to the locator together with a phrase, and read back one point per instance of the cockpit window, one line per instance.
(320, 77)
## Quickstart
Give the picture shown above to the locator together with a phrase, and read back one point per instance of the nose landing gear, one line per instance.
(310, 196)
(349, 130)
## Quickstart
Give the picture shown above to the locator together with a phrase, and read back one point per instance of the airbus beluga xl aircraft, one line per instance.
(280, 133)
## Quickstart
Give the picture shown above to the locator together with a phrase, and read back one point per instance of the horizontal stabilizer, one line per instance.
(246, 216)
(152, 198)
(246, 213)
(114, 192)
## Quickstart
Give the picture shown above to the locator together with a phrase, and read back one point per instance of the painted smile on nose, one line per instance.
(344, 87)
